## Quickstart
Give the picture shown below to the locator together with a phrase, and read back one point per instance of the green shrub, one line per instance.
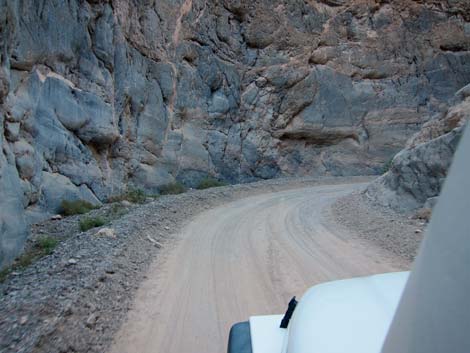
(207, 183)
(116, 211)
(131, 195)
(46, 244)
(135, 196)
(25, 260)
(387, 166)
(41, 247)
(91, 222)
(4, 274)
(172, 189)
(73, 207)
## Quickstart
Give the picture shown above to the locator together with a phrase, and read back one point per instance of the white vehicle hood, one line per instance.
(351, 316)
(266, 336)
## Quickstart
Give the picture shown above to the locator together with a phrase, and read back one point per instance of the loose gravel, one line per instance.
(75, 299)
(400, 234)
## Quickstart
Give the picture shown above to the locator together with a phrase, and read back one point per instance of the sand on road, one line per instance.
(248, 257)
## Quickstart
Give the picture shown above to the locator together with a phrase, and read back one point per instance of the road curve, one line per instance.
(245, 258)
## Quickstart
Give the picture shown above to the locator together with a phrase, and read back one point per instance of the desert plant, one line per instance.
(207, 183)
(117, 210)
(172, 189)
(73, 207)
(46, 244)
(131, 195)
(4, 274)
(41, 247)
(91, 222)
(135, 196)
(386, 167)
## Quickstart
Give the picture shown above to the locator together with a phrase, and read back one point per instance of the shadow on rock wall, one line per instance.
(96, 98)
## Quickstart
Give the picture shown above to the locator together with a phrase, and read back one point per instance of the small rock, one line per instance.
(423, 213)
(261, 82)
(431, 202)
(417, 231)
(72, 262)
(153, 241)
(106, 232)
(68, 310)
(56, 217)
(23, 320)
(91, 306)
(167, 228)
(12, 131)
(126, 203)
(91, 321)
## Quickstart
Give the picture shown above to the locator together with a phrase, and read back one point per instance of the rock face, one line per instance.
(417, 173)
(100, 95)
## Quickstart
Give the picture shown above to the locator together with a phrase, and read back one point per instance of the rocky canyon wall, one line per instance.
(417, 173)
(97, 96)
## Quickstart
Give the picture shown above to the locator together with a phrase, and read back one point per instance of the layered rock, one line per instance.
(97, 96)
(417, 173)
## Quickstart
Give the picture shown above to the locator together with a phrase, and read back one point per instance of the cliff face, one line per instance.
(417, 173)
(100, 95)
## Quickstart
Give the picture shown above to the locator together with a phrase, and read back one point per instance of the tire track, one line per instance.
(244, 258)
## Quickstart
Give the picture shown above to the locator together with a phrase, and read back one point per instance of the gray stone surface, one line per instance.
(56, 187)
(105, 96)
(417, 173)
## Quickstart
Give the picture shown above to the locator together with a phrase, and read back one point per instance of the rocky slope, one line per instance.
(417, 173)
(99, 95)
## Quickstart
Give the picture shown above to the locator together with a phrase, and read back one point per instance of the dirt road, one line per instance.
(246, 258)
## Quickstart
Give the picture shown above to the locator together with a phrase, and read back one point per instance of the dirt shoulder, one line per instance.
(398, 233)
(75, 299)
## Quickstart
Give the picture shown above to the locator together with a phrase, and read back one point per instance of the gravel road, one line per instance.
(247, 257)
(189, 265)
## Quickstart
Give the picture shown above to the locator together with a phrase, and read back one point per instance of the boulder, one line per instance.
(57, 188)
(106, 232)
(417, 173)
